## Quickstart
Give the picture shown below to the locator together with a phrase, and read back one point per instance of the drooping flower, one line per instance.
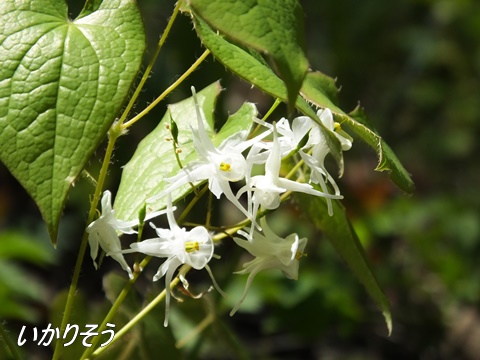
(219, 165)
(319, 150)
(267, 188)
(179, 246)
(104, 232)
(271, 252)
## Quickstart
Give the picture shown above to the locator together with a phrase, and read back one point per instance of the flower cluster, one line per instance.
(234, 160)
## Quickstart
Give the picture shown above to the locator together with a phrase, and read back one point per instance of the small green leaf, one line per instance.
(174, 130)
(154, 160)
(272, 27)
(62, 84)
(342, 236)
(250, 68)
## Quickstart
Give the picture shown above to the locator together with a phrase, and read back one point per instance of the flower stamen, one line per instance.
(225, 167)
(191, 246)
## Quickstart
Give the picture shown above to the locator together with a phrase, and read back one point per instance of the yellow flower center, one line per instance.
(191, 246)
(299, 255)
(225, 167)
(337, 127)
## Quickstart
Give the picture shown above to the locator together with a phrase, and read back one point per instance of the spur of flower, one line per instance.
(219, 165)
(179, 246)
(291, 139)
(265, 190)
(104, 231)
(271, 252)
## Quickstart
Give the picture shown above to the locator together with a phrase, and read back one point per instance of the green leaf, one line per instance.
(62, 84)
(342, 236)
(16, 245)
(272, 27)
(89, 7)
(250, 68)
(20, 294)
(154, 160)
(241, 121)
(320, 90)
(358, 122)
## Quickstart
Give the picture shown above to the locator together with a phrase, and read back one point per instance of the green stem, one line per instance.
(207, 321)
(266, 116)
(113, 310)
(172, 87)
(148, 70)
(115, 131)
(137, 317)
(9, 344)
(83, 245)
(121, 297)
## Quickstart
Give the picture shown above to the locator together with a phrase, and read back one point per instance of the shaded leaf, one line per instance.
(387, 160)
(272, 27)
(15, 245)
(321, 91)
(342, 236)
(253, 70)
(17, 288)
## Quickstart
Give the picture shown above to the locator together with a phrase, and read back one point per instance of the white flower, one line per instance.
(290, 139)
(219, 166)
(268, 188)
(271, 252)
(320, 149)
(194, 247)
(104, 232)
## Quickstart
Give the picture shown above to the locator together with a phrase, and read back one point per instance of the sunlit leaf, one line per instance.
(62, 84)
(154, 160)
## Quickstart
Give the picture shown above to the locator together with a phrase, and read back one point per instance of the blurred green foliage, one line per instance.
(415, 66)
(19, 291)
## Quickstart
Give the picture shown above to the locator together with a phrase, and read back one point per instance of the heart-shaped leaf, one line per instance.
(62, 84)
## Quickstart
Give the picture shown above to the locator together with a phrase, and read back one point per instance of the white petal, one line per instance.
(153, 247)
(199, 258)
(106, 202)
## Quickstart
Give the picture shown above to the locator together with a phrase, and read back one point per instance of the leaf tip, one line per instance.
(53, 232)
(388, 320)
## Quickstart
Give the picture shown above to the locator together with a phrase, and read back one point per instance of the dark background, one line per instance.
(414, 65)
